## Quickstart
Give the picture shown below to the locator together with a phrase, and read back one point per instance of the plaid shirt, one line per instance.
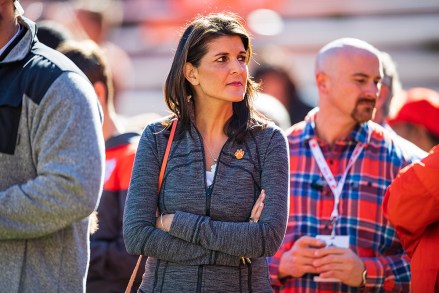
(371, 236)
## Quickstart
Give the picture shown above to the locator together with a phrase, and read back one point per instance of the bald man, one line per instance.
(341, 163)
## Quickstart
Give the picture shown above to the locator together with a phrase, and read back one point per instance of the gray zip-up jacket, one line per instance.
(51, 162)
(210, 230)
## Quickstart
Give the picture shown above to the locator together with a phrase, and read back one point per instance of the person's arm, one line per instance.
(277, 273)
(412, 200)
(68, 157)
(249, 239)
(388, 273)
(140, 233)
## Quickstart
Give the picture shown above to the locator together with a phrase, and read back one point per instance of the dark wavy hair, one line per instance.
(193, 45)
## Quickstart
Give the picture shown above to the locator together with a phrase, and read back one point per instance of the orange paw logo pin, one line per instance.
(239, 154)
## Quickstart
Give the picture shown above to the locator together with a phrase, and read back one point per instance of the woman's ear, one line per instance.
(191, 73)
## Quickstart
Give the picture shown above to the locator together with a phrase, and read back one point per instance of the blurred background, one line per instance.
(139, 37)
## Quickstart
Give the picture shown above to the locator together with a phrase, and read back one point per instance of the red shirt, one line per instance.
(412, 206)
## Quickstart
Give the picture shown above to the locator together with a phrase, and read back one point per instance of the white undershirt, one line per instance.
(209, 178)
(10, 41)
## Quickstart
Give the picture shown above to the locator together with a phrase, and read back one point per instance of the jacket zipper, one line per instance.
(209, 191)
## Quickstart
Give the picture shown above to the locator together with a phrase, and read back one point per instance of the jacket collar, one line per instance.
(21, 46)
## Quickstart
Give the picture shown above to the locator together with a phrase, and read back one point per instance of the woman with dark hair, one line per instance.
(223, 201)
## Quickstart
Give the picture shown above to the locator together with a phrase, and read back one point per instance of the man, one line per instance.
(412, 204)
(51, 162)
(417, 117)
(390, 92)
(390, 87)
(110, 263)
(341, 164)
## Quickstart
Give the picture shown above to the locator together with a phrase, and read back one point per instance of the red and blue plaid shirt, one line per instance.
(361, 217)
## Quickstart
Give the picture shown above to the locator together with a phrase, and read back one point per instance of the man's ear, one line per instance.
(322, 81)
(191, 73)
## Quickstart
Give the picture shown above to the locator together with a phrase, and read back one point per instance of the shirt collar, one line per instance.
(359, 134)
(122, 139)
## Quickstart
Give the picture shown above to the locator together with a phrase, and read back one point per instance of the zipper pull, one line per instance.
(245, 260)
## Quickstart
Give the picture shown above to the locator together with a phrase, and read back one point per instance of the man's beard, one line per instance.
(364, 110)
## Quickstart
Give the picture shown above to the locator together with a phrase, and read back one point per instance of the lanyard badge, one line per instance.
(336, 188)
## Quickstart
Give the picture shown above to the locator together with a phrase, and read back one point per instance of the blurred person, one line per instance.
(110, 264)
(137, 122)
(337, 239)
(390, 87)
(417, 117)
(52, 33)
(390, 90)
(223, 202)
(51, 162)
(273, 109)
(96, 19)
(276, 81)
(411, 204)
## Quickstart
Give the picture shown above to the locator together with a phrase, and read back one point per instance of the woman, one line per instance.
(222, 156)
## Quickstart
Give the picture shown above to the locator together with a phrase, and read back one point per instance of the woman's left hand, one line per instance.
(163, 222)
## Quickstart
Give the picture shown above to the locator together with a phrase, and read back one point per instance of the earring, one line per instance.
(189, 98)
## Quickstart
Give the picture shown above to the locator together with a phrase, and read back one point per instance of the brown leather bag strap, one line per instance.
(162, 173)
(133, 275)
(168, 148)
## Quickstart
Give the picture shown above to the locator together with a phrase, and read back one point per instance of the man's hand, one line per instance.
(340, 263)
(300, 259)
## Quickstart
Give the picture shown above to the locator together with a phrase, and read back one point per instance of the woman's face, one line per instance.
(222, 73)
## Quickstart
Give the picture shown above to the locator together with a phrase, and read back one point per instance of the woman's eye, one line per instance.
(242, 58)
(221, 59)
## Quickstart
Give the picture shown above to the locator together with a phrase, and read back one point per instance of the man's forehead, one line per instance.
(345, 55)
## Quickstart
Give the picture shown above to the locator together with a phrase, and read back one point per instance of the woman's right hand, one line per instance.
(257, 208)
